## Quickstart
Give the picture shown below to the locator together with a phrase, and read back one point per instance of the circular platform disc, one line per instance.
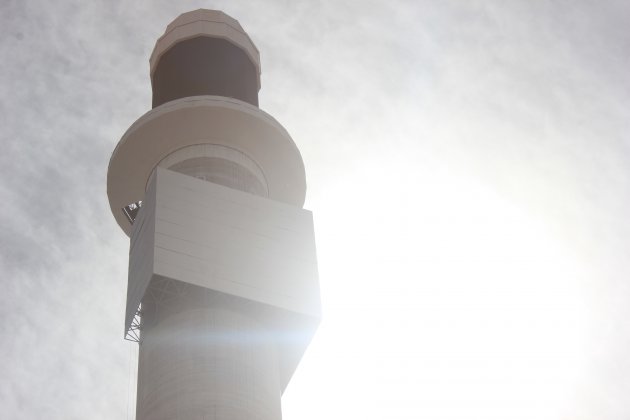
(203, 120)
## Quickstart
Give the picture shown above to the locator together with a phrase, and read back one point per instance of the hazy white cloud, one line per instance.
(468, 167)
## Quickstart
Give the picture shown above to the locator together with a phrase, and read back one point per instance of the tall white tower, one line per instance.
(223, 294)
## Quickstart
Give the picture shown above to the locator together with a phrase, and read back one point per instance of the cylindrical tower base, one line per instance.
(200, 359)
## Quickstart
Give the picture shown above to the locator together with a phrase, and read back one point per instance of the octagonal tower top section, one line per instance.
(205, 52)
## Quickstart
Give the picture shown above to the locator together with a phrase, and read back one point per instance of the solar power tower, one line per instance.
(223, 295)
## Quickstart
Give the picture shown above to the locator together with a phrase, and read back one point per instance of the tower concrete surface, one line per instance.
(223, 295)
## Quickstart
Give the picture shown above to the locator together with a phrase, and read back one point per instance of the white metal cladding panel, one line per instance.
(235, 243)
(257, 209)
(266, 241)
(141, 254)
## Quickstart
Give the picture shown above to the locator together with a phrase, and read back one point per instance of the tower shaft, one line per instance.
(200, 358)
(223, 283)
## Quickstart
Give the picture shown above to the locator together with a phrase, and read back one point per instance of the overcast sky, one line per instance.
(468, 166)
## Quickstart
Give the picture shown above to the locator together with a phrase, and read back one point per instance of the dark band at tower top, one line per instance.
(209, 62)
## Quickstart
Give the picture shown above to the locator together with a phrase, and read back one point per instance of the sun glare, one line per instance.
(444, 301)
